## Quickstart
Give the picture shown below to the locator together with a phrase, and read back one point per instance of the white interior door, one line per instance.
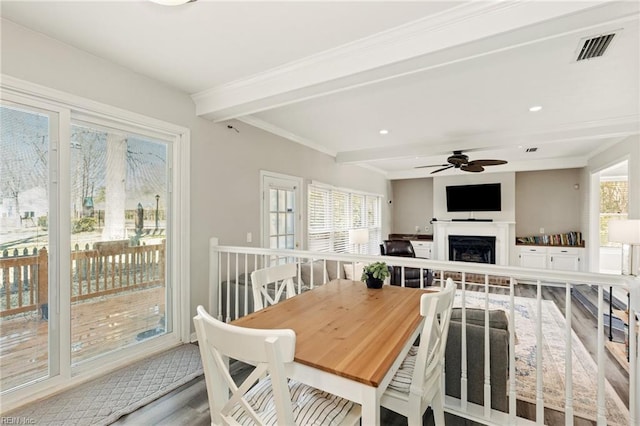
(281, 211)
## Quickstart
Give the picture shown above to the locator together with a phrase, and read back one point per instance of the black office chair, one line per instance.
(404, 248)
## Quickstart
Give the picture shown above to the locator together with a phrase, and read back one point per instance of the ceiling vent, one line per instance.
(532, 149)
(594, 47)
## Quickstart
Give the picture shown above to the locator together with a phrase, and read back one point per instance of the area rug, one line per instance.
(104, 400)
(553, 354)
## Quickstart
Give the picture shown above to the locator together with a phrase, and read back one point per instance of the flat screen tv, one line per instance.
(474, 198)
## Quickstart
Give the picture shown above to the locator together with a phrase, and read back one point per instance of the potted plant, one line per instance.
(374, 274)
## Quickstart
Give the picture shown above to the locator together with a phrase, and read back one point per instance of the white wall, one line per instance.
(225, 165)
(628, 149)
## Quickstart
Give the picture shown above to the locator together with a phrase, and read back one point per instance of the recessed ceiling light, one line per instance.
(172, 2)
(535, 108)
(384, 132)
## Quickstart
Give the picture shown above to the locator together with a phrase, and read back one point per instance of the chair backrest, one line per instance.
(436, 307)
(401, 248)
(268, 284)
(268, 350)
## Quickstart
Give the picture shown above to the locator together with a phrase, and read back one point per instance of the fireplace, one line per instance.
(472, 248)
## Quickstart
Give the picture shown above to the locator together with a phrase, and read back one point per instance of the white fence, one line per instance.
(540, 306)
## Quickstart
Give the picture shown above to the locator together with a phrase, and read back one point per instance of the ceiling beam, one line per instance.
(385, 55)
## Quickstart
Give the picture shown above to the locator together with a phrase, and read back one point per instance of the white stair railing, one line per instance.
(230, 298)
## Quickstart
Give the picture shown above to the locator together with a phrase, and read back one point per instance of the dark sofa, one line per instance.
(499, 347)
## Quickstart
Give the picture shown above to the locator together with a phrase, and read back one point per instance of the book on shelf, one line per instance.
(573, 238)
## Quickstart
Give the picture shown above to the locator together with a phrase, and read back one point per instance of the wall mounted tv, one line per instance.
(474, 198)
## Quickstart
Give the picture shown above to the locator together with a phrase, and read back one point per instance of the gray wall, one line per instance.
(544, 199)
(412, 205)
(225, 165)
(548, 199)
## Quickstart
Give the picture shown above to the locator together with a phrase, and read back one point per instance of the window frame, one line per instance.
(341, 242)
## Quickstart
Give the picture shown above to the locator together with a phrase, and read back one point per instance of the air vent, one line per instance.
(594, 47)
(532, 149)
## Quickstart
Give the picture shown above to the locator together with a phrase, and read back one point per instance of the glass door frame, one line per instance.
(67, 106)
(278, 180)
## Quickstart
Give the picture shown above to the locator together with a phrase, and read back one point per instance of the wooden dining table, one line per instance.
(350, 340)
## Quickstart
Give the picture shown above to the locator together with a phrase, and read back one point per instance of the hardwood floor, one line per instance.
(188, 404)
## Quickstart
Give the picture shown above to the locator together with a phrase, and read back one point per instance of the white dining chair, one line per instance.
(267, 284)
(418, 382)
(266, 396)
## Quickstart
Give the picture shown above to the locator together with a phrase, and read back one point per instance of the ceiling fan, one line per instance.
(461, 161)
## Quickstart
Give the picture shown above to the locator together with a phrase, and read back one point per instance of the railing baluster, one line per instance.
(512, 351)
(464, 378)
(247, 279)
(568, 375)
(601, 415)
(228, 301)
(632, 341)
(487, 351)
(539, 368)
(237, 287)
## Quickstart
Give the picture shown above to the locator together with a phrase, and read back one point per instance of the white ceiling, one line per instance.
(440, 76)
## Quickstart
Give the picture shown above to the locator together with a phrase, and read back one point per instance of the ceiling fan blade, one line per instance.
(476, 168)
(432, 165)
(487, 162)
(444, 168)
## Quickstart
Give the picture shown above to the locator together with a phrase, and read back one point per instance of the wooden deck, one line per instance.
(99, 325)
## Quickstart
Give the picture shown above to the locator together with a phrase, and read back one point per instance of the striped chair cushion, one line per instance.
(402, 380)
(310, 406)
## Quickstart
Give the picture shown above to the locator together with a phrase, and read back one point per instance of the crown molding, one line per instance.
(349, 65)
(255, 122)
(268, 127)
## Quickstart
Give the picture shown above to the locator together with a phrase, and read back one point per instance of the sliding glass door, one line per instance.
(93, 251)
(119, 206)
(25, 148)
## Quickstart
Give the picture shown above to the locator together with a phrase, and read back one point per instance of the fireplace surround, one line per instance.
(500, 231)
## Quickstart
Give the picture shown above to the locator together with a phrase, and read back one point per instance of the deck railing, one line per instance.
(107, 268)
(478, 286)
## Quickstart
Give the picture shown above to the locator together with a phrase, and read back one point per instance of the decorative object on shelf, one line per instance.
(374, 274)
(358, 238)
(573, 238)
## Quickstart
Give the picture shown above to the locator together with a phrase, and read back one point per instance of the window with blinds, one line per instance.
(332, 212)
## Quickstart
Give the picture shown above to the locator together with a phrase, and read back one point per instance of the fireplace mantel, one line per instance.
(501, 230)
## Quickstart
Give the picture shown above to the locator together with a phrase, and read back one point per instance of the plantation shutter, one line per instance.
(332, 212)
(320, 221)
(374, 223)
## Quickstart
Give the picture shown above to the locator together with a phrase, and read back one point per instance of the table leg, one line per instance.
(370, 407)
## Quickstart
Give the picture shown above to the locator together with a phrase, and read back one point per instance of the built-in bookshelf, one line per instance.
(570, 239)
